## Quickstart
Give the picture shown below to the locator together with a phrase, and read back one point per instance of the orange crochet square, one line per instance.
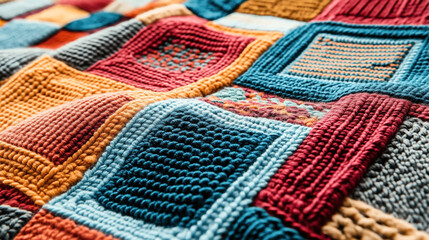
(301, 10)
(60, 14)
(61, 38)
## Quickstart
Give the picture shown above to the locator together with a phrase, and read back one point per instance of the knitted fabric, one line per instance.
(301, 10)
(15, 8)
(309, 62)
(12, 60)
(11, 221)
(214, 160)
(89, 6)
(357, 220)
(314, 181)
(295, 131)
(86, 51)
(248, 102)
(94, 21)
(44, 226)
(377, 12)
(23, 33)
(193, 57)
(11, 196)
(212, 9)
(59, 14)
(52, 83)
(255, 223)
(256, 22)
(60, 39)
(382, 186)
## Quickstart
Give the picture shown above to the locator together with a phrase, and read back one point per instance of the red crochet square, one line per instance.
(171, 53)
(377, 12)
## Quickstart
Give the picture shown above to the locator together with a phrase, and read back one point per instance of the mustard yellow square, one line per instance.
(59, 14)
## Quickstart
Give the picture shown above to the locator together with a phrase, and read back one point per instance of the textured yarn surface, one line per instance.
(214, 119)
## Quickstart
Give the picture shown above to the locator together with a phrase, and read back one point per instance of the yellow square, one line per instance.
(59, 14)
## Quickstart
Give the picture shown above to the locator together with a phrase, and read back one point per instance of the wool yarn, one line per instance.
(377, 12)
(256, 22)
(248, 102)
(331, 160)
(194, 214)
(59, 14)
(195, 57)
(308, 63)
(152, 5)
(124, 6)
(301, 10)
(10, 196)
(11, 220)
(256, 125)
(212, 9)
(60, 39)
(12, 60)
(94, 21)
(44, 225)
(89, 6)
(23, 33)
(86, 51)
(382, 186)
(13, 9)
(255, 223)
(357, 220)
(52, 83)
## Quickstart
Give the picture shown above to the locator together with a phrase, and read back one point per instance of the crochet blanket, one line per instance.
(240, 119)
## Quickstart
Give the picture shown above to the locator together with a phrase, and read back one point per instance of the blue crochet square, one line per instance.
(324, 61)
(179, 169)
(24, 33)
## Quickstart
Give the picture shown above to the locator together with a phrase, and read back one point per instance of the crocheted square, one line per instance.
(60, 39)
(94, 21)
(90, 6)
(314, 181)
(13, 9)
(23, 33)
(256, 22)
(59, 14)
(191, 170)
(402, 164)
(301, 10)
(249, 102)
(325, 61)
(212, 9)
(164, 56)
(377, 12)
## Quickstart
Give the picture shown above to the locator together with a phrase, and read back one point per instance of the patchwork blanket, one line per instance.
(240, 119)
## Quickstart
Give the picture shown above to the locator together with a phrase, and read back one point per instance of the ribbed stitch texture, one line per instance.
(325, 61)
(314, 181)
(86, 51)
(301, 10)
(12, 220)
(399, 12)
(209, 175)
